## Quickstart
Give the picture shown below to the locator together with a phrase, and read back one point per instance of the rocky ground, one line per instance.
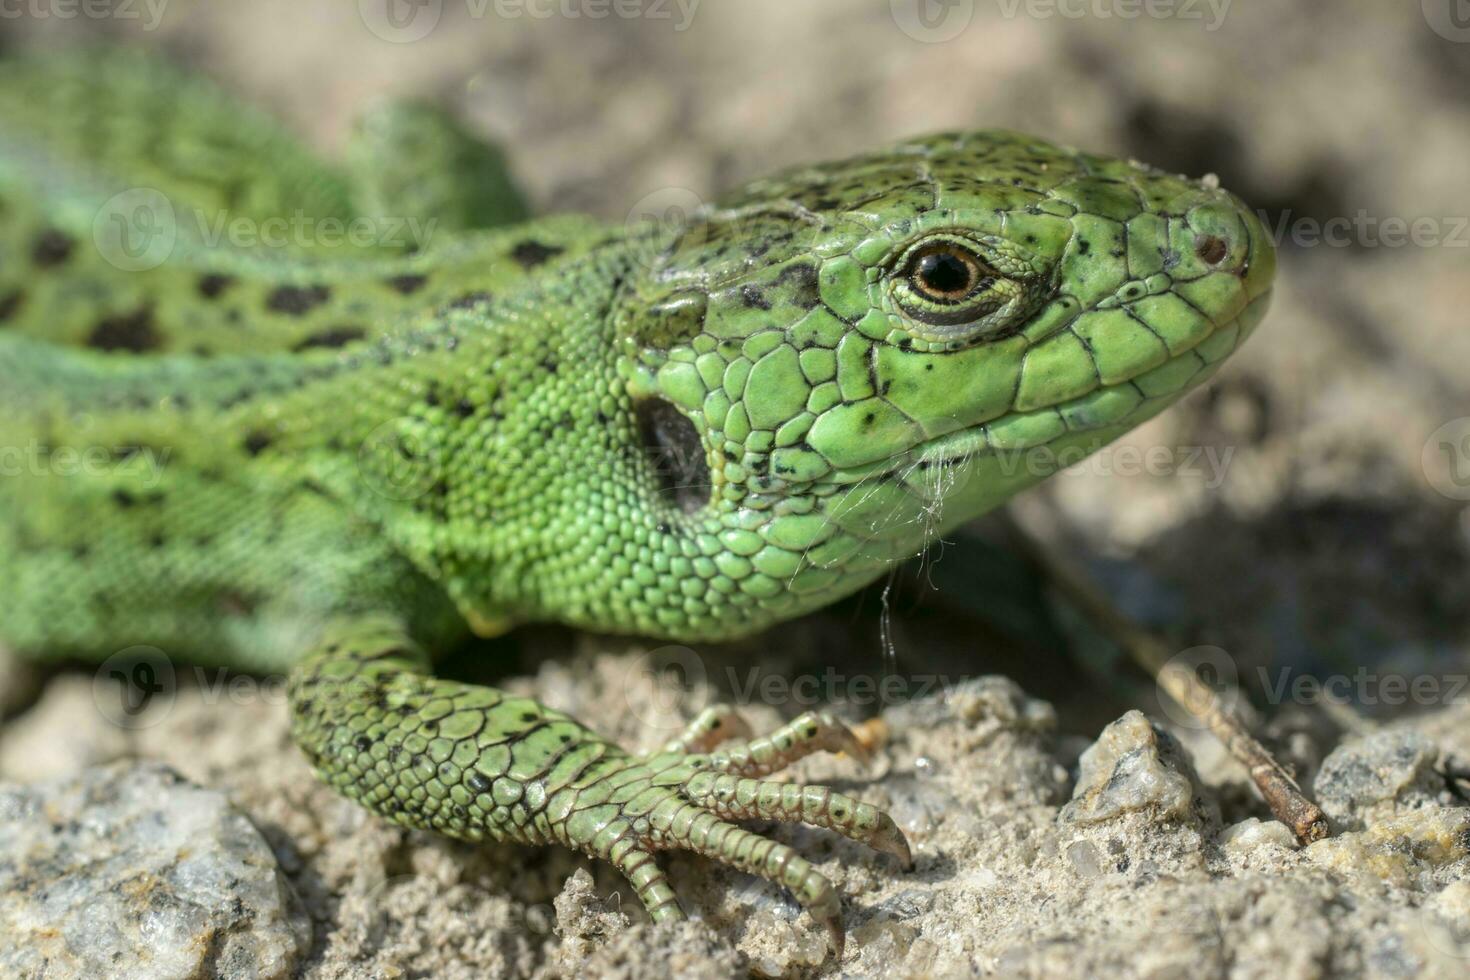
(1304, 517)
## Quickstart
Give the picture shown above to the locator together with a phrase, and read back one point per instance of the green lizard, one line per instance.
(340, 456)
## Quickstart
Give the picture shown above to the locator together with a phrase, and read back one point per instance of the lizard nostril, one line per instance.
(1212, 249)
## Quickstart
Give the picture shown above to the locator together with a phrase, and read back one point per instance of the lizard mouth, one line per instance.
(1089, 413)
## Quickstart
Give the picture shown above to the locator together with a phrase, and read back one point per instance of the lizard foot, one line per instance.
(676, 800)
(474, 762)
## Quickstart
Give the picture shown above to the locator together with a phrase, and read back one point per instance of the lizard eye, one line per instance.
(945, 273)
(963, 287)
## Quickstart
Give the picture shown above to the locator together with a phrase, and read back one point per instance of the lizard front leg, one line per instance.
(473, 762)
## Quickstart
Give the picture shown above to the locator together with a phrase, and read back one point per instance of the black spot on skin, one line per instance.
(1084, 247)
(296, 300)
(123, 499)
(128, 331)
(362, 743)
(530, 253)
(331, 337)
(464, 409)
(754, 298)
(469, 300)
(529, 716)
(477, 782)
(51, 248)
(256, 442)
(407, 284)
(548, 364)
(213, 285)
(9, 303)
(905, 343)
(802, 279)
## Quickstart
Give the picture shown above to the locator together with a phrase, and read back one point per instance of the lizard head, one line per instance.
(834, 365)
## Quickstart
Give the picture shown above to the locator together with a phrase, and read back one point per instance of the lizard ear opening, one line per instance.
(675, 451)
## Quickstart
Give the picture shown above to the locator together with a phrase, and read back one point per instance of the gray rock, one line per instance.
(1134, 767)
(1366, 781)
(128, 871)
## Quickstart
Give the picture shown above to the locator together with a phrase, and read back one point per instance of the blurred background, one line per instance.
(1305, 512)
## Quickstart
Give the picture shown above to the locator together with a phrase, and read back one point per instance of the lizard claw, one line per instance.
(629, 809)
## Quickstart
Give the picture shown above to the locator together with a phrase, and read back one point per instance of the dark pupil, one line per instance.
(944, 273)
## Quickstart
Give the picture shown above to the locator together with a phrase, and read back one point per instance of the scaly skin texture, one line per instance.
(341, 454)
